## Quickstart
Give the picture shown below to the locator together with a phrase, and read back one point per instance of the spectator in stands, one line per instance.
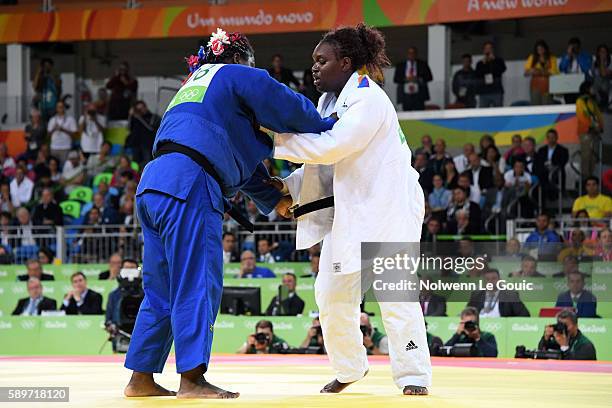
(314, 336)
(433, 227)
(102, 161)
(426, 146)
(229, 247)
(5, 229)
(21, 188)
(575, 61)
(123, 89)
(283, 75)
(61, 128)
(545, 239)
(485, 141)
(35, 303)
(47, 212)
(7, 163)
(253, 213)
(603, 250)
(248, 268)
(81, 300)
(101, 102)
(123, 172)
(465, 84)
(575, 247)
(411, 77)
(46, 256)
(518, 183)
(267, 342)
(571, 342)
(6, 202)
(308, 88)
(25, 236)
(602, 76)
(480, 177)
(570, 265)
(551, 157)
(431, 303)
(35, 134)
(437, 159)
(513, 249)
(35, 270)
(426, 173)
(489, 73)
(514, 153)
(496, 302)
(55, 173)
(375, 342)
(578, 297)
(91, 127)
(461, 202)
(492, 159)
(439, 198)
(529, 155)
(450, 175)
(48, 88)
(590, 128)
(461, 225)
(486, 345)
(462, 161)
(114, 267)
(292, 304)
(596, 204)
(314, 265)
(73, 173)
(529, 268)
(108, 215)
(540, 66)
(264, 249)
(143, 125)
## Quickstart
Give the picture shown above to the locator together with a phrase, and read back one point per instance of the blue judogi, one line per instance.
(181, 207)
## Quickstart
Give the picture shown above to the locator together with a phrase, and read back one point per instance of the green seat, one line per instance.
(82, 194)
(135, 166)
(71, 208)
(102, 177)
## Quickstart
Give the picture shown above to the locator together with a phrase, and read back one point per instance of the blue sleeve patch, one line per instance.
(363, 82)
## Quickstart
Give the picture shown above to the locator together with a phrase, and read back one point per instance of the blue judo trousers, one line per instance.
(217, 112)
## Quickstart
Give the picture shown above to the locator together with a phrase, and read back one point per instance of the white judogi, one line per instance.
(377, 198)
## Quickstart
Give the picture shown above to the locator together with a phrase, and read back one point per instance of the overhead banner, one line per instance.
(270, 17)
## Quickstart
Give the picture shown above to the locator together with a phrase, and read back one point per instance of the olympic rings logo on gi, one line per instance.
(188, 94)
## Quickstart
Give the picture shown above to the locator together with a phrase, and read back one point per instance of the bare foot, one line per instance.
(415, 390)
(336, 386)
(143, 385)
(203, 389)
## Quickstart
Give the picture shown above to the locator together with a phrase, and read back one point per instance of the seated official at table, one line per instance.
(36, 302)
(81, 300)
(578, 297)
(249, 269)
(292, 305)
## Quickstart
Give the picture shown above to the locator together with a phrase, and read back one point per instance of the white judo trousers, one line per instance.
(365, 162)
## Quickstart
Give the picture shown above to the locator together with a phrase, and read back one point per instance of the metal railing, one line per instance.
(521, 227)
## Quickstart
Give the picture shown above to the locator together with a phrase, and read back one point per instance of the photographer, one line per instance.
(314, 337)
(91, 128)
(113, 306)
(565, 337)
(375, 342)
(263, 341)
(468, 331)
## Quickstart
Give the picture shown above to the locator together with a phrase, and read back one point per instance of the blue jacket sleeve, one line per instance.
(264, 195)
(564, 64)
(276, 106)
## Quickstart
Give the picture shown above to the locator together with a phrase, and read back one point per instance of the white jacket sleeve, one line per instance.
(352, 133)
(294, 184)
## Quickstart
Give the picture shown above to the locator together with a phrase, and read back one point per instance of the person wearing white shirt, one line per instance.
(462, 162)
(91, 127)
(21, 189)
(264, 249)
(518, 177)
(61, 128)
(73, 173)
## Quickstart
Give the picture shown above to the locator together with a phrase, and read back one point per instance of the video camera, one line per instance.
(131, 296)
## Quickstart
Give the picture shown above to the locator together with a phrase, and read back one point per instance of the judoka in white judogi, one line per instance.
(365, 163)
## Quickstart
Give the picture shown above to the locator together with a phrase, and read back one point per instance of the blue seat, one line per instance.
(23, 253)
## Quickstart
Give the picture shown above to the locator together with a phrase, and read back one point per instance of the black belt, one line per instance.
(314, 206)
(199, 158)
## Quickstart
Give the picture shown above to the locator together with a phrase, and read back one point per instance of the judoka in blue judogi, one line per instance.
(216, 113)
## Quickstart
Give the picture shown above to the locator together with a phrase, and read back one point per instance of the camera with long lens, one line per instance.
(470, 326)
(262, 338)
(131, 296)
(458, 350)
(366, 330)
(522, 352)
(559, 327)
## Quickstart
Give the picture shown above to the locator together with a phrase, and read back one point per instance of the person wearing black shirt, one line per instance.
(47, 212)
(35, 271)
(572, 344)
(464, 83)
(411, 77)
(81, 300)
(489, 73)
(143, 126)
(485, 343)
(282, 74)
(292, 305)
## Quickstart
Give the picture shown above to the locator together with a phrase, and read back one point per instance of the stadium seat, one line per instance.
(23, 253)
(135, 166)
(82, 194)
(71, 208)
(102, 177)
